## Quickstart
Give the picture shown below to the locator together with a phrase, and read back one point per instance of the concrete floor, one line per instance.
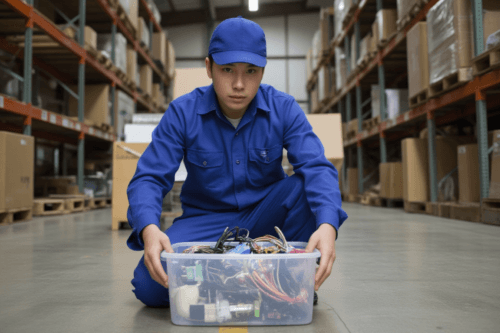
(395, 272)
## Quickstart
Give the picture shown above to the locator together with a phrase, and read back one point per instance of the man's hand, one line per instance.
(154, 242)
(323, 239)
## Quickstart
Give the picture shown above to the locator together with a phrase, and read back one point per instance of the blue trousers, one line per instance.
(285, 206)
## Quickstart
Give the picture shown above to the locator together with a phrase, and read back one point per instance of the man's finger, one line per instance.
(165, 242)
(159, 271)
(322, 272)
(311, 245)
(327, 272)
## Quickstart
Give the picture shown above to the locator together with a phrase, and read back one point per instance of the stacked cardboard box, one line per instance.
(495, 167)
(159, 47)
(328, 128)
(16, 171)
(326, 28)
(309, 67)
(339, 12)
(385, 25)
(131, 63)
(170, 61)
(316, 47)
(146, 74)
(468, 173)
(96, 103)
(104, 43)
(90, 37)
(124, 166)
(340, 68)
(418, 59)
(158, 96)
(391, 180)
(124, 110)
(143, 33)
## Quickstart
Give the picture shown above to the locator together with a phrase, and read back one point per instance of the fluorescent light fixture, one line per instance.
(253, 5)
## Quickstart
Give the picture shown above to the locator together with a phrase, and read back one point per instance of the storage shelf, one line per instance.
(57, 122)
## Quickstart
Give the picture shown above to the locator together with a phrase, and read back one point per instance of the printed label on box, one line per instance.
(1, 101)
(44, 115)
(65, 123)
(23, 142)
(53, 118)
(462, 150)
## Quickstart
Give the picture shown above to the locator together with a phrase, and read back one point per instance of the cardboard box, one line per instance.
(147, 79)
(352, 181)
(309, 64)
(405, 6)
(375, 35)
(96, 104)
(328, 128)
(352, 126)
(491, 22)
(323, 87)
(159, 47)
(314, 99)
(418, 59)
(158, 96)
(188, 79)
(16, 171)
(133, 14)
(364, 48)
(495, 167)
(415, 169)
(326, 28)
(124, 112)
(143, 33)
(131, 62)
(354, 56)
(90, 37)
(397, 102)
(124, 166)
(468, 173)
(170, 62)
(340, 68)
(386, 22)
(391, 180)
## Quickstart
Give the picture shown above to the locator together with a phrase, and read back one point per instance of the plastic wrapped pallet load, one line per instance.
(340, 68)
(316, 57)
(405, 7)
(143, 33)
(418, 59)
(104, 44)
(338, 14)
(125, 108)
(449, 32)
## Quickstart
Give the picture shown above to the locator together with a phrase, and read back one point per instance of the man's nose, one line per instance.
(238, 83)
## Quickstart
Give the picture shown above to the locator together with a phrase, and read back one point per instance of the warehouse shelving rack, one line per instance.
(22, 116)
(475, 97)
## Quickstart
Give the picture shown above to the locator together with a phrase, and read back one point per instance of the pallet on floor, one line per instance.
(10, 216)
(466, 212)
(414, 207)
(48, 206)
(452, 81)
(351, 197)
(391, 203)
(490, 211)
(419, 99)
(72, 202)
(95, 203)
(439, 209)
(486, 62)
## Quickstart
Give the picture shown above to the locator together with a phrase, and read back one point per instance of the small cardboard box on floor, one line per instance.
(16, 171)
(124, 166)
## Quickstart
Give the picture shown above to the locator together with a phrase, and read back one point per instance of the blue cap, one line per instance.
(238, 40)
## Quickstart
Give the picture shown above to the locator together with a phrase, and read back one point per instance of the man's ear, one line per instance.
(209, 68)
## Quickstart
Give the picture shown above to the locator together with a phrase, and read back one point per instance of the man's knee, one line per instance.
(147, 290)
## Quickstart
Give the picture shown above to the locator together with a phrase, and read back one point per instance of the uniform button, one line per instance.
(205, 163)
(237, 161)
(237, 133)
(267, 159)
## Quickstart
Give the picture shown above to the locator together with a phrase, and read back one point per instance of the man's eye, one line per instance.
(252, 71)
(227, 69)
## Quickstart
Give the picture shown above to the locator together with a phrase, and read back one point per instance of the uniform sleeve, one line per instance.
(306, 154)
(155, 175)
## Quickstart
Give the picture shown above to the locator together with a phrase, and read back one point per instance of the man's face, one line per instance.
(235, 85)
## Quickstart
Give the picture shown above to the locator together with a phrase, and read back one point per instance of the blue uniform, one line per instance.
(234, 176)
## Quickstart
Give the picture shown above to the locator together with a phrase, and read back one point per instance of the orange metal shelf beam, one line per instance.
(151, 16)
(27, 110)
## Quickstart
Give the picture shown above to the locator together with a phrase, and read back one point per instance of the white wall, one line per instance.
(288, 75)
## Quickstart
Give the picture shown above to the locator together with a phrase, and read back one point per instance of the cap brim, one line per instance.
(232, 57)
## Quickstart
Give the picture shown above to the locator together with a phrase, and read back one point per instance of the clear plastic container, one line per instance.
(240, 289)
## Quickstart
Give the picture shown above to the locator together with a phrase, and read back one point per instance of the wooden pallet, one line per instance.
(439, 209)
(414, 10)
(487, 61)
(414, 207)
(466, 212)
(391, 203)
(384, 41)
(48, 206)
(490, 211)
(15, 215)
(419, 98)
(368, 124)
(349, 14)
(351, 198)
(72, 202)
(100, 203)
(91, 50)
(460, 77)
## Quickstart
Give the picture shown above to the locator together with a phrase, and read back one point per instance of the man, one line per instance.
(231, 135)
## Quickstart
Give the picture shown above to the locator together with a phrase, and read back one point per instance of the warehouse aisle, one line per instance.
(395, 272)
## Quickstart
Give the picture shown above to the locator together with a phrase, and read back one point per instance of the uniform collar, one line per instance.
(211, 103)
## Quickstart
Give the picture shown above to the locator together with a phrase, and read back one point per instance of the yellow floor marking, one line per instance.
(229, 329)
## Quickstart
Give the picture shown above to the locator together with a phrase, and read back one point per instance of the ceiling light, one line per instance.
(253, 5)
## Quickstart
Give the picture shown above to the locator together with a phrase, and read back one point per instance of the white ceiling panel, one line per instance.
(274, 74)
(301, 29)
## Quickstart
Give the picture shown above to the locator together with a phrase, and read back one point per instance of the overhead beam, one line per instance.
(222, 13)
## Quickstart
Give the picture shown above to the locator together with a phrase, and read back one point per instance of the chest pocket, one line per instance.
(264, 165)
(205, 167)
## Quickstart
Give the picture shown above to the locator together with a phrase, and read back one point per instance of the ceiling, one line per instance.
(182, 12)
